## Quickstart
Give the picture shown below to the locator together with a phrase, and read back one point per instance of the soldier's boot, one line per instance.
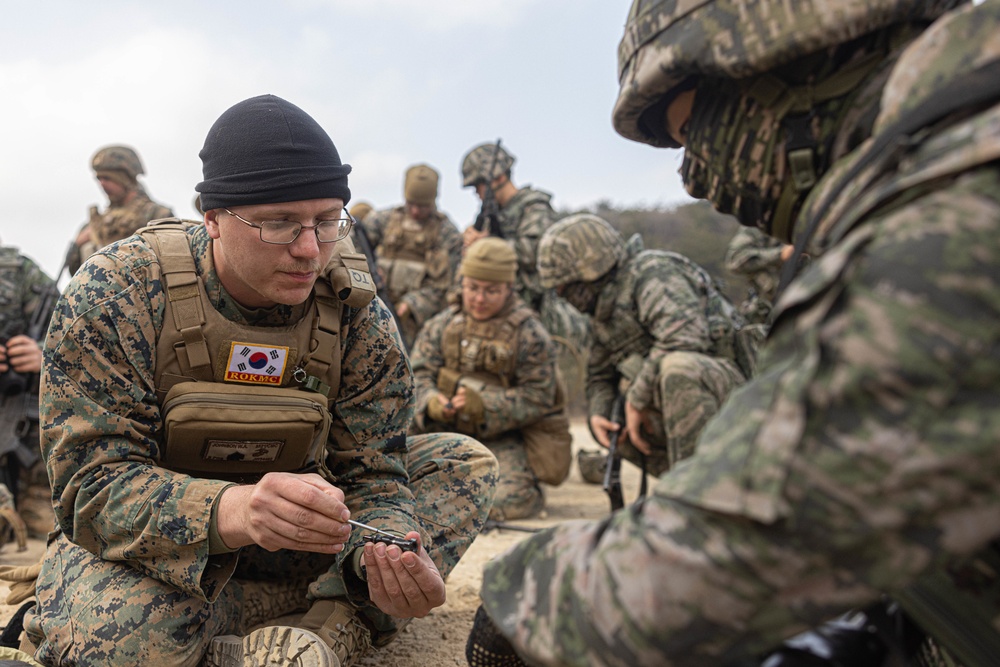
(592, 465)
(338, 625)
(271, 646)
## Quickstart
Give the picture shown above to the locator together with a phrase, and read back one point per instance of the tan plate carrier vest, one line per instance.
(487, 359)
(411, 255)
(238, 401)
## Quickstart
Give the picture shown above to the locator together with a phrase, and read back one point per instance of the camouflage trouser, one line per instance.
(518, 494)
(93, 611)
(689, 390)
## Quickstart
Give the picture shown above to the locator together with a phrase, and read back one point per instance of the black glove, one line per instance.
(487, 647)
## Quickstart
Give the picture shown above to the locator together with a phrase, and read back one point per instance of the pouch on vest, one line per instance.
(228, 431)
(548, 443)
(405, 275)
(351, 280)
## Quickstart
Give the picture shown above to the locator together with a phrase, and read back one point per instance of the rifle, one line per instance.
(380, 287)
(613, 468)
(489, 212)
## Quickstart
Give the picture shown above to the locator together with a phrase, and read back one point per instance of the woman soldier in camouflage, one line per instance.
(862, 459)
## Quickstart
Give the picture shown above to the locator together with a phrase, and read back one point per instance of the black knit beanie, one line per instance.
(265, 150)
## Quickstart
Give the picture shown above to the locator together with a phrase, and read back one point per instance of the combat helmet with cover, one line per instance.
(118, 158)
(477, 162)
(579, 248)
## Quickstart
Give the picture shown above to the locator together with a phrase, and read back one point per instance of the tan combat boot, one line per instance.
(337, 624)
(271, 646)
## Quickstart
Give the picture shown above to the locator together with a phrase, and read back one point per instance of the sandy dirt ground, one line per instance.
(439, 638)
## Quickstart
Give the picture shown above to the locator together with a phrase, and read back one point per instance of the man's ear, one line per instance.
(212, 222)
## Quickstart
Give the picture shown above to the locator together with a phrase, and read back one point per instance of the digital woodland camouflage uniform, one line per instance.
(862, 458)
(509, 362)
(118, 220)
(663, 333)
(418, 258)
(756, 256)
(129, 577)
(23, 286)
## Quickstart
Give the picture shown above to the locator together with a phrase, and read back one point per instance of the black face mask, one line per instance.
(582, 295)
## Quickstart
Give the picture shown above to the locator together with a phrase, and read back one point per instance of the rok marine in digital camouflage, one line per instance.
(417, 249)
(117, 169)
(486, 367)
(219, 399)
(862, 459)
(525, 214)
(759, 258)
(664, 336)
(23, 291)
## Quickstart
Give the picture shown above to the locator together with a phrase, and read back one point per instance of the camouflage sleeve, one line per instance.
(367, 446)
(862, 456)
(99, 416)
(602, 381)
(537, 217)
(752, 251)
(670, 305)
(427, 360)
(532, 393)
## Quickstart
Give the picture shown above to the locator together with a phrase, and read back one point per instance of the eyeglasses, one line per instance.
(284, 232)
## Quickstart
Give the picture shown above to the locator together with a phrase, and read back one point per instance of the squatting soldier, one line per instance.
(117, 169)
(664, 335)
(486, 367)
(219, 399)
(758, 257)
(24, 289)
(417, 248)
(524, 215)
(862, 458)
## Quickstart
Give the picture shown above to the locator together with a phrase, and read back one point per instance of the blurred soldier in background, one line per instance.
(664, 336)
(117, 169)
(487, 368)
(862, 458)
(759, 258)
(417, 249)
(27, 296)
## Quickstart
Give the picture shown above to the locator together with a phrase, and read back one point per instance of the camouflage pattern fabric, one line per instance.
(116, 222)
(440, 260)
(863, 455)
(22, 284)
(529, 396)
(123, 520)
(664, 331)
(523, 220)
(756, 256)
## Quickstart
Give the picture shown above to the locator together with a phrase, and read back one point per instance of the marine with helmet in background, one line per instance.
(486, 367)
(117, 169)
(862, 458)
(524, 215)
(664, 337)
(417, 249)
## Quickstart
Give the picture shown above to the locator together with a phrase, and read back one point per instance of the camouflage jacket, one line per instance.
(658, 302)
(101, 420)
(863, 454)
(523, 220)
(528, 358)
(22, 285)
(757, 256)
(116, 222)
(440, 253)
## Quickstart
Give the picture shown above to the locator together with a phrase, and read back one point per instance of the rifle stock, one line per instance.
(489, 212)
(613, 469)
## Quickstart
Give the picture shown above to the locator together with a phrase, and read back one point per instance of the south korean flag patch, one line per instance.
(256, 364)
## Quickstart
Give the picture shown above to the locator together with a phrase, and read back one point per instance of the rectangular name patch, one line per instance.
(249, 451)
(256, 364)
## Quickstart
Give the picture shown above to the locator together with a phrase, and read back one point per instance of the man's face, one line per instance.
(481, 189)
(677, 115)
(419, 212)
(259, 274)
(113, 189)
(483, 299)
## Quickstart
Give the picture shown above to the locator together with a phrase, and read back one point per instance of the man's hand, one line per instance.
(635, 419)
(402, 310)
(22, 354)
(602, 427)
(401, 583)
(285, 511)
(471, 235)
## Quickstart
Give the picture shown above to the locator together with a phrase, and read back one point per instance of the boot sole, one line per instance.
(273, 646)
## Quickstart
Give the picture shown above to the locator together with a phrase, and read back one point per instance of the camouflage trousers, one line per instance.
(518, 494)
(95, 611)
(690, 388)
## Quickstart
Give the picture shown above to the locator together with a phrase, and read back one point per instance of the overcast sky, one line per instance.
(394, 83)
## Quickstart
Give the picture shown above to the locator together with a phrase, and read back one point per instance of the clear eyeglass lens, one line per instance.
(286, 231)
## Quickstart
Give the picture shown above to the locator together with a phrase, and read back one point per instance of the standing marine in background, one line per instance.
(417, 250)
(664, 336)
(486, 367)
(759, 258)
(117, 169)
